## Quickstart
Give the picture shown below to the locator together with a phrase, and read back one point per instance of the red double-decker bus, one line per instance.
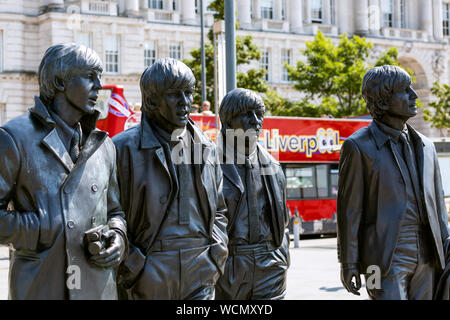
(307, 148)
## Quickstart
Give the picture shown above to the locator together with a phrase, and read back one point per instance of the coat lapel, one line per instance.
(149, 141)
(419, 152)
(230, 172)
(93, 142)
(54, 143)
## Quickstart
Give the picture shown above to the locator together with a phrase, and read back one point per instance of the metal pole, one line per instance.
(202, 32)
(296, 228)
(230, 42)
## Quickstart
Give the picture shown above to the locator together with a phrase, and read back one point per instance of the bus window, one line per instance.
(300, 182)
(334, 174)
(322, 180)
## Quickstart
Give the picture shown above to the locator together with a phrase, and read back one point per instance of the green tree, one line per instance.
(246, 53)
(331, 76)
(438, 113)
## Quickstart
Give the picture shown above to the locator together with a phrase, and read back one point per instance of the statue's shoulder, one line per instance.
(128, 137)
(21, 127)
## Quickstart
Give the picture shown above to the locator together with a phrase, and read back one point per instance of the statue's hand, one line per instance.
(112, 255)
(348, 272)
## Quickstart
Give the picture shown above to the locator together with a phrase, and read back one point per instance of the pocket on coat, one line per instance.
(43, 212)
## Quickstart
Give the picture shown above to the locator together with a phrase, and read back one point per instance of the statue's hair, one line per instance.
(379, 84)
(237, 101)
(63, 61)
(165, 73)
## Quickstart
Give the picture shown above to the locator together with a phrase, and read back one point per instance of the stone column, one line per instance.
(374, 17)
(361, 17)
(427, 17)
(187, 10)
(344, 7)
(244, 14)
(296, 15)
(256, 9)
(307, 6)
(326, 12)
(167, 5)
(277, 7)
(437, 20)
(397, 23)
(132, 8)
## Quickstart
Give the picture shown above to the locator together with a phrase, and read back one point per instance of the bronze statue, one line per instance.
(392, 221)
(171, 192)
(59, 175)
(255, 194)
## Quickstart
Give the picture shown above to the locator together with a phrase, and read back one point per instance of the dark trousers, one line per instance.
(413, 273)
(180, 274)
(254, 272)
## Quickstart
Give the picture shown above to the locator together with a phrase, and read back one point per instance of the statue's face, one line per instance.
(403, 103)
(174, 106)
(251, 119)
(81, 91)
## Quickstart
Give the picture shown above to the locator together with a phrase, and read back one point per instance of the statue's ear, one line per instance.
(59, 84)
(151, 104)
(382, 105)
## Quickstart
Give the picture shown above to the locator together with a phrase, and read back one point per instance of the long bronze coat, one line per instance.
(146, 187)
(372, 198)
(55, 202)
(275, 184)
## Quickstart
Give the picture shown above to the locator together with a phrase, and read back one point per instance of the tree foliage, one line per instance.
(438, 113)
(331, 76)
(246, 53)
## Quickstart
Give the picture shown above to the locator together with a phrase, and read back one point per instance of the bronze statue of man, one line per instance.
(392, 222)
(171, 192)
(255, 194)
(57, 182)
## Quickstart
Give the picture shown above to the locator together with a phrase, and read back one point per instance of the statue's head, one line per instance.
(242, 110)
(167, 89)
(388, 93)
(72, 72)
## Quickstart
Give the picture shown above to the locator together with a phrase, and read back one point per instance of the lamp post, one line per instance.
(230, 43)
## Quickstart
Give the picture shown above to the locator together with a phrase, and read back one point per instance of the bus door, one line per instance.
(311, 192)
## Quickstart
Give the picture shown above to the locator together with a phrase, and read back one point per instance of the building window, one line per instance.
(149, 54)
(285, 58)
(175, 51)
(174, 5)
(387, 9)
(156, 4)
(112, 54)
(446, 18)
(264, 63)
(206, 3)
(332, 12)
(267, 9)
(84, 39)
(316, 11)
(402, 14)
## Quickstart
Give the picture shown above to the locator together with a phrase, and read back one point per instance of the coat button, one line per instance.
(163, 199)
(66, 190)
(70, 224)
(94, 188)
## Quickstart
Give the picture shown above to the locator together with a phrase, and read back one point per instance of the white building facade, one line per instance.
(130, 35)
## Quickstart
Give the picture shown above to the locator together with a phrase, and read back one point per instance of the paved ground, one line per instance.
(313, 275)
